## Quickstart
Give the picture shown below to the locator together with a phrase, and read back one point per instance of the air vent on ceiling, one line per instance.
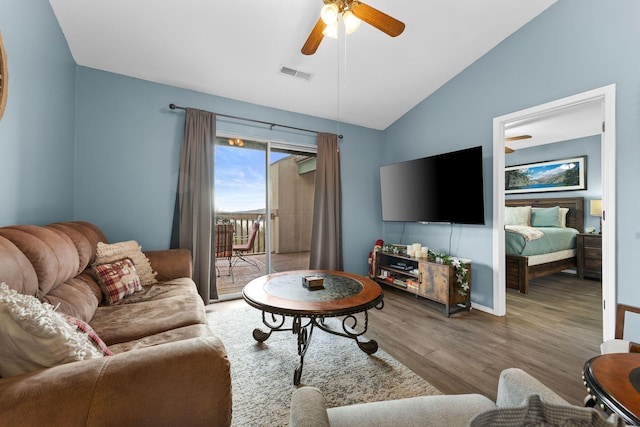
(296, 73)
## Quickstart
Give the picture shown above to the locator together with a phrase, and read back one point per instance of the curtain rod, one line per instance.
(271, 125)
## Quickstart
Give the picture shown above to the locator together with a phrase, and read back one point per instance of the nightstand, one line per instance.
(589, 248)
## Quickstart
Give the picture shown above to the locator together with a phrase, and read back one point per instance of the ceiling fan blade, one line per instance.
(377, 19)
(508, 150)
(314, 39)
(517, 138)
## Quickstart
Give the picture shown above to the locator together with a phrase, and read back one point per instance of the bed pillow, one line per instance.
(545, 217)
(562, 220)
(110, 252)
(517, 215)
(117, 280)
(34, 336)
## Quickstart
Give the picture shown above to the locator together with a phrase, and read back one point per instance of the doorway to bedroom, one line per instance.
(602, 101)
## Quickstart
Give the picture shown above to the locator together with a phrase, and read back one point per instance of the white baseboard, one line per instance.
(484, 308)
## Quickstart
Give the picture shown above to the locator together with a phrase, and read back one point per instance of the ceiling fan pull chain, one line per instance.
(345, 62)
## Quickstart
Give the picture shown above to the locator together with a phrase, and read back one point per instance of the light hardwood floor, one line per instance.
(550, 333)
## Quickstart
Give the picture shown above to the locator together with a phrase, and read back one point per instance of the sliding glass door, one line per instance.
(263, 197)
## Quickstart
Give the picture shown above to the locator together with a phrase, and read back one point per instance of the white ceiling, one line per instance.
(573, 122)
(235, 49)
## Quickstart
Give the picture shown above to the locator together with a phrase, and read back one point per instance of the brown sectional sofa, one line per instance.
(168, 368)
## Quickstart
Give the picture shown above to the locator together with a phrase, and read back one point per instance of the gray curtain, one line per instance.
(192, 224)
(326, 231)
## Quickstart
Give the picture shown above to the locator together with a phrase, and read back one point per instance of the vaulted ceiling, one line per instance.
(236, 49)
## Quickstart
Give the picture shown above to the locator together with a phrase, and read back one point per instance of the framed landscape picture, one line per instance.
(554, 175)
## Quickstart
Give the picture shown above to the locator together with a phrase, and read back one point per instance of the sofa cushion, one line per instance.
(78, 297)
(442, 411)
(84, 236)
(535, 412)
(157, 308)
(53, 255)
(117, 280)
(34, 336)
(16, 270)
(173, 335)
(35, 260)
(106, 253)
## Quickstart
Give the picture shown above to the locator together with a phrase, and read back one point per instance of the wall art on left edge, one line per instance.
(4, 78)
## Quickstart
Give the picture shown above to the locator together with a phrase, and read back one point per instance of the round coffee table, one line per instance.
(613, 381)
(342, 294)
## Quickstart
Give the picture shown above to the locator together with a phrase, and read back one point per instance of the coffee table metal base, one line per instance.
(303, 326)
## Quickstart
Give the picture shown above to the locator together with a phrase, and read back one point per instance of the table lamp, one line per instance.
(595, 207)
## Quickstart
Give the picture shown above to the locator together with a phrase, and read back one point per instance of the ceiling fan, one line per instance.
(510, 150)
(352, 12)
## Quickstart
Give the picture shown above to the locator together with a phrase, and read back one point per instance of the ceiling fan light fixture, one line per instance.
(351, 22)
(331, 30)
(329, 13)
(353, 12)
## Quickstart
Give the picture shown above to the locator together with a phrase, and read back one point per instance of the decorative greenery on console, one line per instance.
(395, 249)
(462, 269)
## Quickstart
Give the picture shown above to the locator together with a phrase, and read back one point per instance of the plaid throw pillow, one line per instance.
(537, 413)
(118, 280)
(90, 334)
(106, 253)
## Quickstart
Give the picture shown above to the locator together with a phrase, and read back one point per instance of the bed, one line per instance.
(525, 264)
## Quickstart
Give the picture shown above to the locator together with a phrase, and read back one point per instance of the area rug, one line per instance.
(262, 373)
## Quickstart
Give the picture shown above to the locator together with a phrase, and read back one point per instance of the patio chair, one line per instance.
(224, 246)
(240, 250)
(618, 344)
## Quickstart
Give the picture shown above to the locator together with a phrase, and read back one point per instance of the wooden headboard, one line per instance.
(575, 216)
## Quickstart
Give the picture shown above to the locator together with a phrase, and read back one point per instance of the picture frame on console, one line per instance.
(554, 175)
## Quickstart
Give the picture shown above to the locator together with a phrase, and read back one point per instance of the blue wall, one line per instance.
(37, 129)
(127, 140)
(128, 153)
(572, 47)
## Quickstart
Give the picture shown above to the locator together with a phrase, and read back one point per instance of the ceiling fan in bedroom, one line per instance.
(510, 150)
(352, 12)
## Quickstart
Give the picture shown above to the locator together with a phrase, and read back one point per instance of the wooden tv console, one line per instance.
(431, 280)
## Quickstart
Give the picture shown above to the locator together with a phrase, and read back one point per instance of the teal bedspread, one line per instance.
(554, 239)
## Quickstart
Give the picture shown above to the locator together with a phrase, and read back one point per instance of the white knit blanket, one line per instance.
(529, 233)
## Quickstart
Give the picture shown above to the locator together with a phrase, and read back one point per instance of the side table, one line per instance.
(613, 382)
(589, 248)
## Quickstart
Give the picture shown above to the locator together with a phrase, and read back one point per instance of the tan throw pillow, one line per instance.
(34, 336)
(562, 219)
(110, 252)
(117, 280)
(517, 215)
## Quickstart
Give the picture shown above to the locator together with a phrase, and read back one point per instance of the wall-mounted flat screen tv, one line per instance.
(445, 188)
